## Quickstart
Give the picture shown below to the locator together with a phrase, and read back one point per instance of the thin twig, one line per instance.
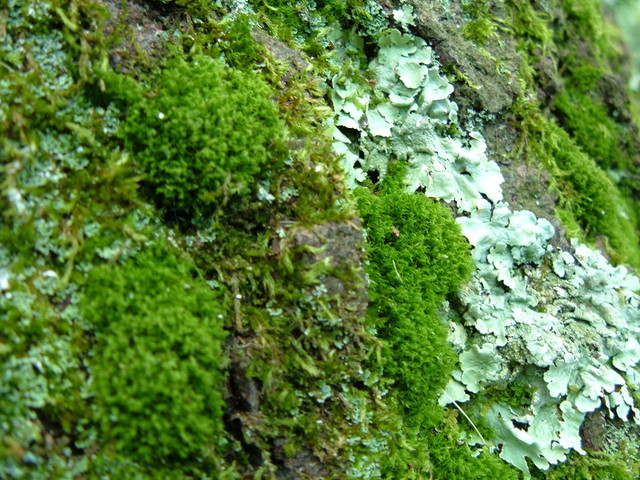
(466, 416)
(396, 269)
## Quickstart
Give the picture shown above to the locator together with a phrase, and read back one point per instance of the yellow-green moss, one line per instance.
(595, 466)
(588, 196)
(205, 136)
(579, 139)
(155, 368)
(417, 255)
(582, 111)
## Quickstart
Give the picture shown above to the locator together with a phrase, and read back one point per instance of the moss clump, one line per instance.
(452, 460)
(156, 362)
(589, 198)
(585, 115)
(417, 255)
(595, 466)
(482, 26)
(205, 135)
(576, 125)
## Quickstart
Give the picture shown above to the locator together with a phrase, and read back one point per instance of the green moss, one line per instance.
(515, 395)
(482, 26)
(480, 31)
(156, 362)
(530, 24)
(311, 358)
(329, 10)
(198, 9)
(581, 139)
(454, 460)
(589, 197)
(586, 117)
(416, 256)
(206, 136)
(584, 24)
(595, 466)
(65, 183)
(597, 134)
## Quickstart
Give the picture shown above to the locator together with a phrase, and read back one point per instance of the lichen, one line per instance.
(520, 330)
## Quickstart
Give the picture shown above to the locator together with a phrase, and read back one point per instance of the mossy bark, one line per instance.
(311, 312)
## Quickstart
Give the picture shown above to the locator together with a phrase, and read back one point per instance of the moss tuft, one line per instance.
(589, 197)
(205, 136)
(156, 362)
(583, 138)
(417, 255)
(590, 122)
(595, 466)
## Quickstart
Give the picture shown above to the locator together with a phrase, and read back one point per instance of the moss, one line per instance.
(515, 395)
(596, 133)
(205, 137)
(345, 12)
(156, 362)
(584, 25)
(585, 116)
(198, 9)
(589, 197)
(595, 466)
(233, 42)
(480, 31)
(309, 382)
(531, 24)
(581, 138)
(482, 26)
(65, 182)
(456, 461)
(417, 255)
(302, 390)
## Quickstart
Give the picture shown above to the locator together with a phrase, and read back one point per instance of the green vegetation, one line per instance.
(590, 204)
(292, 20)
(417, 255)
(599, 136)
(573, 120)
(68, 200)
(580, 139)
(207, 136)
(482, 26)
(180, 236)
(156, 361)
(595, 466)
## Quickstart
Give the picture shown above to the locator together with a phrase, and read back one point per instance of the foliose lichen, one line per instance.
(536, 314)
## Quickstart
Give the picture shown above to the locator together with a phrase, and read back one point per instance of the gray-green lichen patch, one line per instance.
(574, 318)
(485, 74)
(403, 112)
(564, 322)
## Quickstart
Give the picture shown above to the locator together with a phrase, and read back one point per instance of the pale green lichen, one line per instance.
(403, 115)
(567, 322)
